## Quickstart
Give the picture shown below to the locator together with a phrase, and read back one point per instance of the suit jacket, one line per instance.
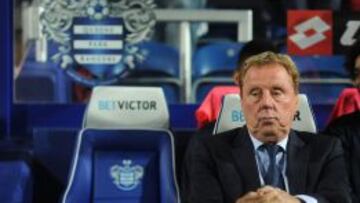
(347, 129)
(222, 168)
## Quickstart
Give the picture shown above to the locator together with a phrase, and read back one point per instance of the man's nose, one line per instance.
(267, 100)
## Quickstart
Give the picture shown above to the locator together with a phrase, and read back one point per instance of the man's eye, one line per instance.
(254, 93)
(276, 93)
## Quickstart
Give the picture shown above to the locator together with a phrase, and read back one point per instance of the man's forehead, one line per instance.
(267, 73)
(267, 66)
(266, 84)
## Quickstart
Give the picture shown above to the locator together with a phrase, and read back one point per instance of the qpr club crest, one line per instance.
(98, 39)
(126, 177)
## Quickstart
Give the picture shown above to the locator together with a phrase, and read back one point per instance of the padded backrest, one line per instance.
(129, 107)
(321, 66)
(231, 115)
(125, 152)
(129, 175)
(47, 77)
(15, 181)
(160, 60)
(123, 166)
(218, 59)
(323, 93)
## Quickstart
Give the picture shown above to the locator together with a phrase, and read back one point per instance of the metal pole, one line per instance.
(41, 42)
(185, 60)
(245, 28)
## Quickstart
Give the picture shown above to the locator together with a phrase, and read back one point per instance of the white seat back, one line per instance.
(126, 107)
(231, 115)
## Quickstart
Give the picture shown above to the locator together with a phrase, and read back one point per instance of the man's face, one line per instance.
(269, 102)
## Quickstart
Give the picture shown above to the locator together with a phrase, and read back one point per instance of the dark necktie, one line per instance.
(273, 175)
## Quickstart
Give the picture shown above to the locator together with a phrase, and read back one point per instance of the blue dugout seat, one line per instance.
(124, 152)
(15, 182)
(322, 77)
(53, 148)
(214, 65)
(160, 68)
(41, 81)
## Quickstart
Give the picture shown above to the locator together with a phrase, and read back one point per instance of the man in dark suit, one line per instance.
(347, 129)
(266, 161)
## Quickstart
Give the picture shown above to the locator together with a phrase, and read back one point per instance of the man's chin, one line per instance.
(271, 134)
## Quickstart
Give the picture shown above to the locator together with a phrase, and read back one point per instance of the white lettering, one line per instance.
(137, 105)
(98, 44)
(348, 38)
(94, 59)
(98, 29)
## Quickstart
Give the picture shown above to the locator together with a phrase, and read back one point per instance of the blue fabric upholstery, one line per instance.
(214, 65)
(322, 77)
(323, 93)
(160, 68)
(321, 66)
(106, 166)
(99, 151)
(160, 58)
(47, 77)
(54, 148)
(15, 182)
(216, 59)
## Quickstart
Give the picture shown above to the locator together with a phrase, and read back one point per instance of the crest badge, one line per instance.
(98, 39)
(126, 177)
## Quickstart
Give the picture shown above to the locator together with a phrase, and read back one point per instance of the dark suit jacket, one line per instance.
(222, 168)
(347, 128)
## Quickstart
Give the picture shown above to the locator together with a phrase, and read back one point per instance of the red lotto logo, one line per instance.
(309, 32)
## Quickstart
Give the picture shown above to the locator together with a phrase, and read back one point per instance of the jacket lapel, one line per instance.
(297, 163)
(243, 153)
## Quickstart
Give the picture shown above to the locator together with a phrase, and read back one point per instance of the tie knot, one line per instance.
(272, 149)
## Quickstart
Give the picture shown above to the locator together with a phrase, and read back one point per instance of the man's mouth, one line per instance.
(267, 118)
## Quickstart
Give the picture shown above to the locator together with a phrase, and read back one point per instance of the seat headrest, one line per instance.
(231, 115)
(126, 107)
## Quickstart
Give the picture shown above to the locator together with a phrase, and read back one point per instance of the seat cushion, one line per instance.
(125, 176)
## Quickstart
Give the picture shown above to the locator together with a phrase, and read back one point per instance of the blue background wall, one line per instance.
(6, 67)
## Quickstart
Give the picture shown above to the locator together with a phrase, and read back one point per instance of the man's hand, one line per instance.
(268, 194)
(250, 197)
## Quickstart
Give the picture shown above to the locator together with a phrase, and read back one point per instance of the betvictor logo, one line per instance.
(127, 105)
(238, 116)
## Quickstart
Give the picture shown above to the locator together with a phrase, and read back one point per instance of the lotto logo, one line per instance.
(310, 32)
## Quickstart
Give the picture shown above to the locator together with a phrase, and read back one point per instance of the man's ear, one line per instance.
(297, 101)
(236, 78)
(240, 94)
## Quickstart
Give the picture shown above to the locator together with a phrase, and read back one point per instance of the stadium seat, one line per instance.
(322, 77)
(15, 182)
(124, 152)
(231, 115)
(214, 65)
(53, 148)
(47, 77)
(321, 66)
(160, 68)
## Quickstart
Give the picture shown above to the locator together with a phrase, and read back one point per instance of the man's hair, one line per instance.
(267, 58)
(254, 47)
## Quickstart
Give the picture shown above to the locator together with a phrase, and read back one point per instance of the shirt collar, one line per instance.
(257, 143)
